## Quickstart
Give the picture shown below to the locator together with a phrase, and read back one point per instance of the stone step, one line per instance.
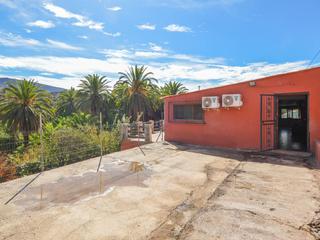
(284, 154)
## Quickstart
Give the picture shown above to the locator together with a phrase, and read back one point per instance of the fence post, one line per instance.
(147, 132)
(124, 131)
(152, 125)
(139, 125)
(41, 143)
(162, 129)
(100, 136)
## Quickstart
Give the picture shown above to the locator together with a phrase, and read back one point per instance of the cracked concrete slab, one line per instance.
(259, 201)
(174, 192)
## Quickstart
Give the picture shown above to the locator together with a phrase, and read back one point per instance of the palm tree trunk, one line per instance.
(93, 109)
(26, 139)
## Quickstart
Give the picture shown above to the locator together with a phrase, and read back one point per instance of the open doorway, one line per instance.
(293, 122)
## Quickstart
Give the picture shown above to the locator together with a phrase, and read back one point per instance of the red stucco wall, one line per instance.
(235, 128)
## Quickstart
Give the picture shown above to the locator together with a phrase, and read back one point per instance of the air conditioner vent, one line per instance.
(231, 100)
(210, 102)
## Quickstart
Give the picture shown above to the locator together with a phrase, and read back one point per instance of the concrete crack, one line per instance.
(180, 216)
(216, 193)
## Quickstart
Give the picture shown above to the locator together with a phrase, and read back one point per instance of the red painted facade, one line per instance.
(240, 128)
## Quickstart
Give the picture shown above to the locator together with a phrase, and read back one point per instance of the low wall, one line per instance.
(128, 144)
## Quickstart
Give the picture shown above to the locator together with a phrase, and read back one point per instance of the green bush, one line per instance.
(7, 142)
(76, 120)
(68, 146)
(8, 145)
(28, 168)
(26, 159)
(62, 146)
(110, 141)
(4, 131)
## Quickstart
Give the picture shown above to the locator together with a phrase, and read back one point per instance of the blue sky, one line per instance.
(200, 43)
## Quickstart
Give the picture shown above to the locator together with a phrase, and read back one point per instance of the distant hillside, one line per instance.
(51, 89)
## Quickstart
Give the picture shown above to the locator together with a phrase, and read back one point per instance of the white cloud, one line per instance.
(12, 40)
(65, 82)
(114, 9)
(149, 54)
(61, 12)
(132, 54)
(114, 53)
(190, 73)
(41, 24)
(155, 51)
(82, 21)
(158, 53)
(155, 47)
(117, 34)
(199, 73)
(177, 28)
(62, 45)
(83, 37)
(147, 26)
(46, 74)
(195, 59)
(90, 24)
(69, 66)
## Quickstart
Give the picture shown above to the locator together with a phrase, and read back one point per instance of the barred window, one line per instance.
(290, 113)
(189, 112)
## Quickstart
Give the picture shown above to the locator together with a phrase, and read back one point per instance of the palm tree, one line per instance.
(135, 85)
(67, 102)
(21, 104)
(173, 88)
(93, 91)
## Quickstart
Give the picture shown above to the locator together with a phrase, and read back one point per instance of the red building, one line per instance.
(277, 112)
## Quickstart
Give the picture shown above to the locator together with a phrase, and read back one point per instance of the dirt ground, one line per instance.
(171, 192)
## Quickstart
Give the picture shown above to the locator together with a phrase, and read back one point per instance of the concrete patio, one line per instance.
(171, 192)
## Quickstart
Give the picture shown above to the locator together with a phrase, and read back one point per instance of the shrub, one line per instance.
(76, 120)
(62, 146)
(7, 169)
(111, 141)
(7, 142)
(68, 146)
(26, 159)
(28, 168)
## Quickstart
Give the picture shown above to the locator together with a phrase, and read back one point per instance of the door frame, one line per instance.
(275, 121)
(308, 113)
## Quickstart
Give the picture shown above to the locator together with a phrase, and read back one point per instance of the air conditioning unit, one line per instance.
(231, 100)
(210, 102)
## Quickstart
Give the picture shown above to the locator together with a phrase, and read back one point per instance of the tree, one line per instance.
(156, 102)
(67, 102)
(134, 86)
(21, 104)
(173, 88)
(93, 92)
(76, 120)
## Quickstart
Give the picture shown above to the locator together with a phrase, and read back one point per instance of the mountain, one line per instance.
(51, 89)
